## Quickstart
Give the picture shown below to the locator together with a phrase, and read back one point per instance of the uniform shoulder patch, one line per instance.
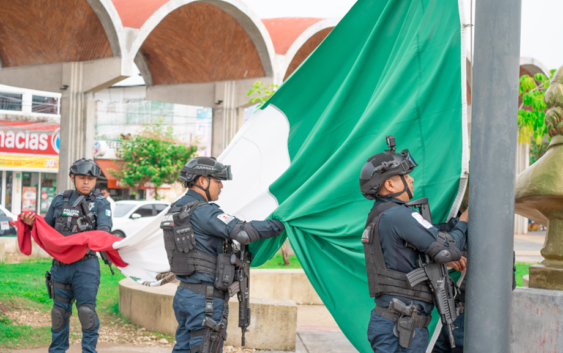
(108, 213)
(225, 218)
(421, 220)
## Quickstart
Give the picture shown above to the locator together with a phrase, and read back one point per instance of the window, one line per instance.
(160, 207)
(10, 101)
(145, 211)
(146, 112)
(121, 209)
(45, 105)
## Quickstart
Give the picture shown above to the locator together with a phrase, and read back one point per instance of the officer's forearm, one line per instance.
(459, 233)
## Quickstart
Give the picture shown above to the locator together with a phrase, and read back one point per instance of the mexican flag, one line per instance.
(388, 68)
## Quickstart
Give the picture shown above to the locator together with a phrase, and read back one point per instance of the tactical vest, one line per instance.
(73, 219)
(184, 259)
(382, 280)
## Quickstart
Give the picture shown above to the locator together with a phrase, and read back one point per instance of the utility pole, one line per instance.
(491, 190)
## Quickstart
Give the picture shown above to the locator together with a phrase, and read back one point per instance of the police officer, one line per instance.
(199, 241)
(394, 238)
(74, 211)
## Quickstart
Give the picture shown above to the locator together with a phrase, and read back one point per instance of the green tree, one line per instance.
(153, 156)
(262, 93)
(531, 112)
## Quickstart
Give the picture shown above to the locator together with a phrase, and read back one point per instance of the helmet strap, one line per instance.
(206, 189)
(405, 188)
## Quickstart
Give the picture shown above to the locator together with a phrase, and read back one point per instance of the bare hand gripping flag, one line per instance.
(388, 68)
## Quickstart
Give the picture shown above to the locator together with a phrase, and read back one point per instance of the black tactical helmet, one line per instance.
(85, 166)
(383, 166)
(205, 166)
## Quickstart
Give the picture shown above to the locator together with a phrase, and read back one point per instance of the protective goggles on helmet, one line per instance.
(409, 162)
(224, 174)
(86, 169)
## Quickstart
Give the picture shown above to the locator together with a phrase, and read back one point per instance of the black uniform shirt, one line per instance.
(212, 226)
(400, 225)
(100, 207)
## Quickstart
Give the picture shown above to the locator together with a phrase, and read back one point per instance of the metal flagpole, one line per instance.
(491, 191)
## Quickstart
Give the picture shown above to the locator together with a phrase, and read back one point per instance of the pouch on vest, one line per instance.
(167, 226)
(225, 272)
(184, 237)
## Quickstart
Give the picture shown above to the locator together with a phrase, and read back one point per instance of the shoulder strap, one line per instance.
(66, 197)
(377, 211)
(373, 218)
(189, 208)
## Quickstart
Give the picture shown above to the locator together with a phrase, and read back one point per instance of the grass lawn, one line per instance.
(23, 291)
(522, 269)
(276, 262)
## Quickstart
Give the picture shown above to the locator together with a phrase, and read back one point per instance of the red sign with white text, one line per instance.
(24, 137)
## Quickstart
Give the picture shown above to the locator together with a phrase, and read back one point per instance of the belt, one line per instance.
(88, 256)
(419, 322)
(202, 289)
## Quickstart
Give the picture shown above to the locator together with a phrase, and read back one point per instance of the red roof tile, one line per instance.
(285, 30)
(134, 13)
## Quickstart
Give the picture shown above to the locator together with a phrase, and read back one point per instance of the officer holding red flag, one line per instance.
(71, 212)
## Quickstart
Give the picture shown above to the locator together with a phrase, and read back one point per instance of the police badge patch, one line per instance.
(225, 218)
(421, 220)
(70, 212)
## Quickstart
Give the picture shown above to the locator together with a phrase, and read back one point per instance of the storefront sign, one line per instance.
(33, 162)
(23, 137)
(29, 199)
(117, 184)
(47, 196)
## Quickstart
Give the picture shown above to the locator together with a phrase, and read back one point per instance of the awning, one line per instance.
(107, 166)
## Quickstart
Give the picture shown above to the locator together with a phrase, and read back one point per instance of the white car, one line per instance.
(130, 216)
(7, 223)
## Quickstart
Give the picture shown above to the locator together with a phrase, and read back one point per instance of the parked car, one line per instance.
(130, 216)
(7, 223)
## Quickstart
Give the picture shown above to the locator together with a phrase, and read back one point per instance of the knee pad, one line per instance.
(87, 316)
(58, 319)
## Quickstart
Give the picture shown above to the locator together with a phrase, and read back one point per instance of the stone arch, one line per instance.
(531, 66)
(219, 41)
(304, 45)
(54, 31)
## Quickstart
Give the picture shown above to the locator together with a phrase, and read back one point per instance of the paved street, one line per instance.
(528, 246)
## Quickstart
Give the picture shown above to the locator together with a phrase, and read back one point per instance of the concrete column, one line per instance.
(73, 127)
(227, 117)
(16, 192)
(522, 162)
(90, 124)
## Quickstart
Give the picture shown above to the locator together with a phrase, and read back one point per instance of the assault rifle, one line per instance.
(444, 289)
(89, 225)
(242, 276)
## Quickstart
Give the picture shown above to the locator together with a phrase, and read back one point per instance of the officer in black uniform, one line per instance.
(71, 212)
(394, 238)
(199, 239)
